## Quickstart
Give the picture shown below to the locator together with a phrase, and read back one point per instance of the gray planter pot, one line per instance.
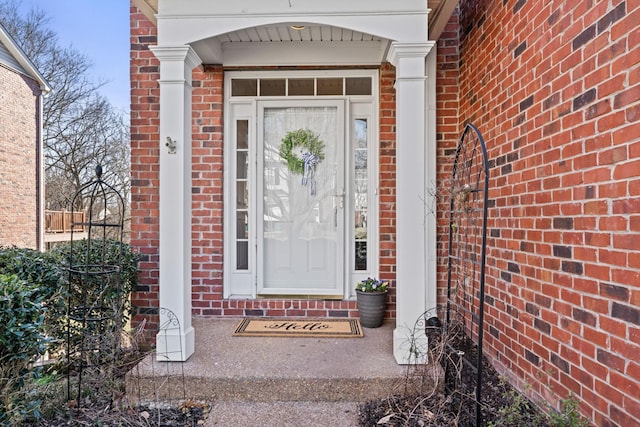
(371, 306)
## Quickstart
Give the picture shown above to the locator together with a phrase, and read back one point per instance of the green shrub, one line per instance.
(100, 292)
(22, 342)
(44, 275)
(41, 270)
(517, 409)
(33, 311)
(101, 253)
(569, 416)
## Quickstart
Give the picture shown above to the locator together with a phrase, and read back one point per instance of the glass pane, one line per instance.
(361, 188)
(244, 87)
(360, 133)
(358, 86)
(242, 255)
(361, 255)
(300, 87)
(272, 87)
(242, 134)
(242, 225)
(330, 86)
(361, 160)
(242, 195)
(360, 192)
(242, 165)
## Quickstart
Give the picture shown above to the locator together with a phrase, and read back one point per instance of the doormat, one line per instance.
(312, 328)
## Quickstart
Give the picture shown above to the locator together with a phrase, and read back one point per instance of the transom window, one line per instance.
(318, 86)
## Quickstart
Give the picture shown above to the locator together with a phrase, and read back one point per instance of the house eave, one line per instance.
(440, 16)
(28, 68)
(149, 8)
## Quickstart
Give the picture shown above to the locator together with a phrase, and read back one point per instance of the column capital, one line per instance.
(184, 53)
(408, 50)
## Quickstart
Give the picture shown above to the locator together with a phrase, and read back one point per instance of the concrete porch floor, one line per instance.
(267, 381)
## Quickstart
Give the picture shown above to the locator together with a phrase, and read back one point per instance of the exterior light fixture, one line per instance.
(297, 27)
(171, 145)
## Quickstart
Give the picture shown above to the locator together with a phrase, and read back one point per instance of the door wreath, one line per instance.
(302, 150)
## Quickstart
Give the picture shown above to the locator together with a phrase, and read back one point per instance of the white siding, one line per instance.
(8, 60)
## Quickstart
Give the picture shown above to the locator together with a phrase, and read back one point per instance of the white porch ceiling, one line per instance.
(280, 44)
(285, 33)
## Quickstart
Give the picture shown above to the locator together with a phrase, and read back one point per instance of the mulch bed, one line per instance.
(188, 414)
(108, 407)
(502, 405)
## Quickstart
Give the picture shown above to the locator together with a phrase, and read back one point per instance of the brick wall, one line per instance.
(18, 160)
(207, 192)
(448, 131)
(145, 167)
(555, 87)
(387, 185)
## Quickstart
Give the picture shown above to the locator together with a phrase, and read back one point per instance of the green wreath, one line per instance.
(300, 138)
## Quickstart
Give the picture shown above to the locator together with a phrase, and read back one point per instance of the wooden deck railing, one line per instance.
(61, 221)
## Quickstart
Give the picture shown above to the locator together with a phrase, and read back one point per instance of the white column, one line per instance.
(177, 341)
(412, 276)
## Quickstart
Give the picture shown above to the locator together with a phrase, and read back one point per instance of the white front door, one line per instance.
(301, 197)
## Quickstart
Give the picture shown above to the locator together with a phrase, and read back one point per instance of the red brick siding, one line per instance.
(145, 166)
(18, 159)
(555, 87)
(447, 133)
(387, 191)
(207, 191)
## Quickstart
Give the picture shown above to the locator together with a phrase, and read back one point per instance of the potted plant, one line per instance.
(372, 301)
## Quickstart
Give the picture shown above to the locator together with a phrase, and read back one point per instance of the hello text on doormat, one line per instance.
(313, 328)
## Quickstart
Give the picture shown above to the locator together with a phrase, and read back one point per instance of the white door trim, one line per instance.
(243, 284)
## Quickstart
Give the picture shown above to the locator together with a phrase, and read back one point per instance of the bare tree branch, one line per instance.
(81, 128)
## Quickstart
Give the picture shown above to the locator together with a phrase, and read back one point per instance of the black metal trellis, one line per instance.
(94, 317)
(466, 270)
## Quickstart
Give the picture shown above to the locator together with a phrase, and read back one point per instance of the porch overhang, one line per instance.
(310, 53)
(335, 33)
(440, 13)
(296, 33)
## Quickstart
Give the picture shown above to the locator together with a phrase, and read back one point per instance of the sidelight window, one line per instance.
(360, 193)
(242, 195)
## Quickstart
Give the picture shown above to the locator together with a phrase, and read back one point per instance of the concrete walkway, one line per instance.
(256, 381)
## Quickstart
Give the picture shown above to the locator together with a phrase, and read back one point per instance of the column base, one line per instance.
(175, 345)
(410, 347)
